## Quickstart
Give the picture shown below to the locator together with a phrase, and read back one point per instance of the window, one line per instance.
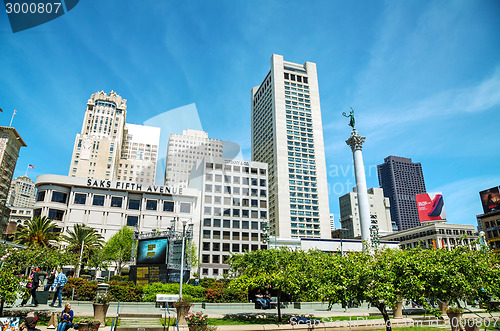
(206, 234)
(56, 215)
(168, 206)
(206, 246)
(132, 220)
(236, 224)
(185, 207)
(216, 235)
(151, 204)
(205, 258)
(40, 196)
(226, 224)
(59, 197)
(98, 200)
(134, 204)
(80, 198)
(116, 202)
(216, 247)
(236, 248)
(245, 224)
(225, 247)
(216, 223)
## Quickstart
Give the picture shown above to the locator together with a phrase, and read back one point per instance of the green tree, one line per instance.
(38, 231)
(89, 238)
(9, 283)
(119, 247)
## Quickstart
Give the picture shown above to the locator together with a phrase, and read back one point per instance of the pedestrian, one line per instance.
(30, 323)
(66, 318)
(50, 280)
(32, 285)
(59, 283)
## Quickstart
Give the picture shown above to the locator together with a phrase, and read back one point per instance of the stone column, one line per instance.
(355, 141)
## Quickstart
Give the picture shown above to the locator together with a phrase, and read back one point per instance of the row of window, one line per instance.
(234, 224)
(116, 202)
(226, 235)
(492, 223)
(235, 179)
(209, 188)
(228, 201)
(235, 212)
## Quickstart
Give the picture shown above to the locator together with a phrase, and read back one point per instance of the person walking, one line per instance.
(66, 318)
(50, 280)
(59, 283)
(33, 286)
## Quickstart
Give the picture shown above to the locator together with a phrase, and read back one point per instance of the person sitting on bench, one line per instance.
(259, 298)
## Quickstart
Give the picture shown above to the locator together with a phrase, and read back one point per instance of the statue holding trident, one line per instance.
(352, 121)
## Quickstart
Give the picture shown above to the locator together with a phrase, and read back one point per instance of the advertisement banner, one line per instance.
(490, 199)
(152, 251)
(430, 207)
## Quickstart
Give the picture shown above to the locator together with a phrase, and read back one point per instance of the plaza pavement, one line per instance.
(147, 311)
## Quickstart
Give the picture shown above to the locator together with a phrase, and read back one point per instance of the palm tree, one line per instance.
(84, 235)
(38, 231)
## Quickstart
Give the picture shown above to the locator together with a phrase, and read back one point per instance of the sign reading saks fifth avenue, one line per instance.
(128, 186)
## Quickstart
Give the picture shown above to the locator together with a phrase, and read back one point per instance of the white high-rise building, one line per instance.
(184, 150)
(234, 210)
(107, 148)
(380, 213)
(287, 133)
(139, 154)
(22, 192)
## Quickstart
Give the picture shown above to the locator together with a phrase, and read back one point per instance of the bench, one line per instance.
(162, 299)
(274, 303)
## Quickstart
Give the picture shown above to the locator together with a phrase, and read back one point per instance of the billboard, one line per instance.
(152, 251)
(430, 207)
(490, 199)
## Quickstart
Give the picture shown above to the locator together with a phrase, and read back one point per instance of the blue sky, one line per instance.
(424, 77)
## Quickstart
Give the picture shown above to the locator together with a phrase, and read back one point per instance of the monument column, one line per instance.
(355, 141)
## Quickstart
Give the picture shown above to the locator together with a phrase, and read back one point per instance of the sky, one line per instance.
(423, 77)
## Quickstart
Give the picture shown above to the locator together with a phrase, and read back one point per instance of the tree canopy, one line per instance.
(119, 247)
(38, 231)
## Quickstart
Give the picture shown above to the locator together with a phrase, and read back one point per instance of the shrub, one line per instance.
(118, 278)
(195, 293)
(125, 292)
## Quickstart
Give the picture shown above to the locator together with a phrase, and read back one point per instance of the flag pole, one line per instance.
(12, 118)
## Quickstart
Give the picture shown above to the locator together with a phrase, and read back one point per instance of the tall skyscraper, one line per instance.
(380, 214)
(10, 144)
(401, 179)
(22, 192)
(287, 133)
(107, 148)
(184, 150)
(234, 210)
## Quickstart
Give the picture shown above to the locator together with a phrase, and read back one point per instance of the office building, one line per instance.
(108, 205)
(380, 214)
(287, 134)
(234, 210)
(436, 235)
(139, 154)
(184, 150)
(489, 221)
(401, 179)
(10, 144)
(107, 148)
(22, 192)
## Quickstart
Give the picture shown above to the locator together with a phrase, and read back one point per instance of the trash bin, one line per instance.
(43, 297)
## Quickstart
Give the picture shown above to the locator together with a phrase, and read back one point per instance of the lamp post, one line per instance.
(184, 235)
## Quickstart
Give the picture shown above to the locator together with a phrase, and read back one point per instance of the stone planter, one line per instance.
(455, 321)
(472, 324)
(398, 310)
(182, 311)
(100, 310)
(197, 327)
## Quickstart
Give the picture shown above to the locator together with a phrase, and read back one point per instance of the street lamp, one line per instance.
(184, 235)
